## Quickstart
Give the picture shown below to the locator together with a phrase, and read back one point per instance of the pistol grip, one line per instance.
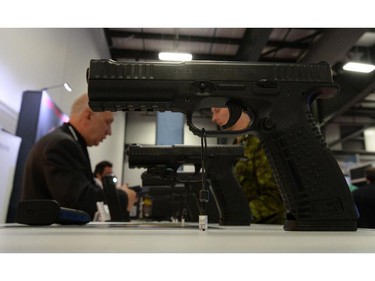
(314, 190)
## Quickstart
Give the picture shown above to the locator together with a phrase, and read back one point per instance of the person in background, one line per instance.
(58, 166)
(104, 168)
(101, 169)
(364, 198)
(254, 175)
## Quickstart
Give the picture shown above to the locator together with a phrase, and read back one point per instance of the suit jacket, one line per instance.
(58, 167)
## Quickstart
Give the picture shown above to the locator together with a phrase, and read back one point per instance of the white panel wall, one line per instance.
(141, 128)
(369, 135)
(34, 58)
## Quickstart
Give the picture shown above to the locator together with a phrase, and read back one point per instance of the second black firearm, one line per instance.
(164, 161)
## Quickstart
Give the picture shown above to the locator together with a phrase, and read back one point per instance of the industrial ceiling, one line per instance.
(353, 109)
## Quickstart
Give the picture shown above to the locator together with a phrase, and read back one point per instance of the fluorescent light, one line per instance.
(175, 56)
(359, 67)
(67, 87)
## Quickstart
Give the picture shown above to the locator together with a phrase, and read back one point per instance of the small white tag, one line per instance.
(203, 225)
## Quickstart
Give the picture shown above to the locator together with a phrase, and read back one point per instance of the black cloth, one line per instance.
(58, 167)
(364, 198)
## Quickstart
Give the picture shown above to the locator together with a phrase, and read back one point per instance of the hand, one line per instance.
(132, 195)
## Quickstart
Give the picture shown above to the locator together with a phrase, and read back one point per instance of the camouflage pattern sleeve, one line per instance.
(256, 178)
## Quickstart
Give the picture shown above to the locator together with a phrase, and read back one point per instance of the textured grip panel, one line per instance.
(314, 190)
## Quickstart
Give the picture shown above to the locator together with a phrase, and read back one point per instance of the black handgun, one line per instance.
(276, 96)
(165, 160)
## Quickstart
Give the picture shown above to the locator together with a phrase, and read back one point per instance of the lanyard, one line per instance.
(73, 133)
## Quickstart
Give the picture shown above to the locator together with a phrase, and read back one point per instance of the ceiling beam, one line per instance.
(333, 45)
(171, 37)
(356, 122)
(301, 44)
(353, 88)
(367, 112)
(287, 44)
(253, 43)
(348, 136)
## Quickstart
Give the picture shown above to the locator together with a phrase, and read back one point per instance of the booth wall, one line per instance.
(35, 58)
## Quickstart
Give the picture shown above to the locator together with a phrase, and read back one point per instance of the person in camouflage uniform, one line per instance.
(254, 174)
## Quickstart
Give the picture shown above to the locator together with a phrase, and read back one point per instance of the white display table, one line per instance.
(173, 238)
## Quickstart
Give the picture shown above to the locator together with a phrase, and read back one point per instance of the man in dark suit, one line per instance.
(364, 198)
(58, 166)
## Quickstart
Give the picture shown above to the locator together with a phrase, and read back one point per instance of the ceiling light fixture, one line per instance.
(359, 67)
(66, 86)
(175, 56)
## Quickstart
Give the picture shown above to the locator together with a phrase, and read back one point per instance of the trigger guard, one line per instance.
(235, 112)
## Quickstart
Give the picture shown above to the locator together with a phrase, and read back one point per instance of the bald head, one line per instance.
(93, 126)
(80, 104)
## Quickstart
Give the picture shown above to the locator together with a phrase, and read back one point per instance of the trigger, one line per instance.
(235, 112)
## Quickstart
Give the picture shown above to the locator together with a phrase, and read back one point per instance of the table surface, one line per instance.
(165, 237)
